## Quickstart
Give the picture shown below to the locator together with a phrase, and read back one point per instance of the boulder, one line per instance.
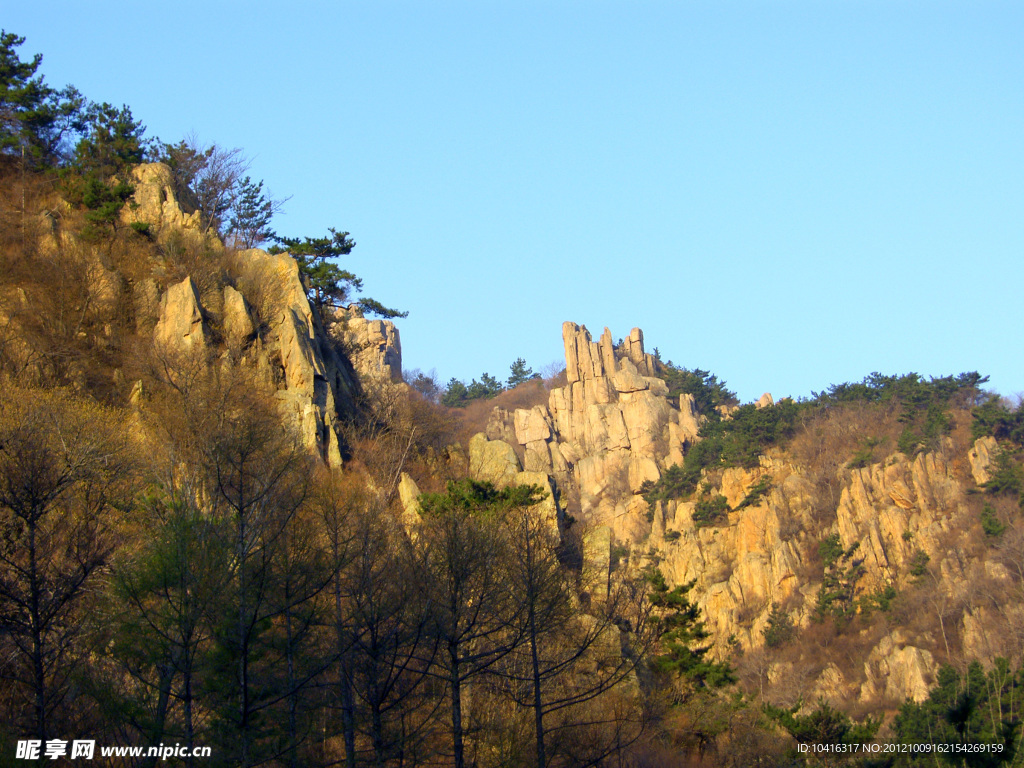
(897, 672)
(981, 456)
(628, 379)
(237, 322)
(373, 345)
(633, 346)
(180, 327)
(689, 419)
(493, 461)
(501, 426)
(538, 457)
(409, 495)
(532, 425)
(155, 202)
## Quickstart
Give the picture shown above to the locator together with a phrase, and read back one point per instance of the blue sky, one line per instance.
(789, 194)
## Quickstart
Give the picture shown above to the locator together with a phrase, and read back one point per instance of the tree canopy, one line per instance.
(327, 283)
(34, 117)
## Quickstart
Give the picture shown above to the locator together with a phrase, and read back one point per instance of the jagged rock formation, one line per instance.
(606, 432)
(314, 375)
(203, 305)
(409, 495)
(373, 346)
(180, 324)
(897, 509)
(612, 427)
(156, 204)
(981, 456)
(262, 318)
(896, 671)
(609, 429)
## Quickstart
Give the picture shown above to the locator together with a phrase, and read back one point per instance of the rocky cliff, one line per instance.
(907, 523)
(907, 527)
(179, 295)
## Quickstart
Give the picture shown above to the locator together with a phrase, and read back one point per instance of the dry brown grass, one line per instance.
(473, 418)
(257, 282)
(68, 314)
(190, 256)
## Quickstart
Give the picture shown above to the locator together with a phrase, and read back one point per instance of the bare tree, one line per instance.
(568, 657)
(461, 562)
(337, 500)
(206, 179)
(257, 480)
(390, 646)
(62, 475)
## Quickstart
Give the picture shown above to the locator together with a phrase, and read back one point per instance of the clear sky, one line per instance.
(790, 194)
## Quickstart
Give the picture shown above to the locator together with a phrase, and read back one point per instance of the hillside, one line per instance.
(229, 524)
(842, 552)
(886, 563)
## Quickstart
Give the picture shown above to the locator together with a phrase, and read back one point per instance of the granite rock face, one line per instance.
(262, 319)
(373, 346)
(609, 430)
(612, 427)
(180, 327)
(155, 202)
(982, 455)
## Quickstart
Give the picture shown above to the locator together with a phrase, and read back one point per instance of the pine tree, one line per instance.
(328, 284)
(488, 386)
(682, 635)
(253, 210)
(520, 373)
(113, 144)
(34, 117)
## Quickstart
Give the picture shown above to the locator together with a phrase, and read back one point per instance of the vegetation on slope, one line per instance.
(738, 439)
(186, 574)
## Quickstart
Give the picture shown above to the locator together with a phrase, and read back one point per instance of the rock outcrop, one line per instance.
(894, 510)
(315, 377)
(609, 430)
(982, 455)
(156, 204)
(409, 495)
(612, 427)
(373, 346)
(897, 672)
(180, 327)
(262, 319)
(493, 461)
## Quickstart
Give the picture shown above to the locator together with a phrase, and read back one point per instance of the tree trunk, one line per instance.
(38, 674)
(292, 693)
(456, 683)
(538, 703)
(348, 722)
(189, 724)
(163, 699)
(243, 645)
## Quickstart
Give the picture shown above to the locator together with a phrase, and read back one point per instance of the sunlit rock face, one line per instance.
(612, 427)
(373, 346)
(262, 319)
